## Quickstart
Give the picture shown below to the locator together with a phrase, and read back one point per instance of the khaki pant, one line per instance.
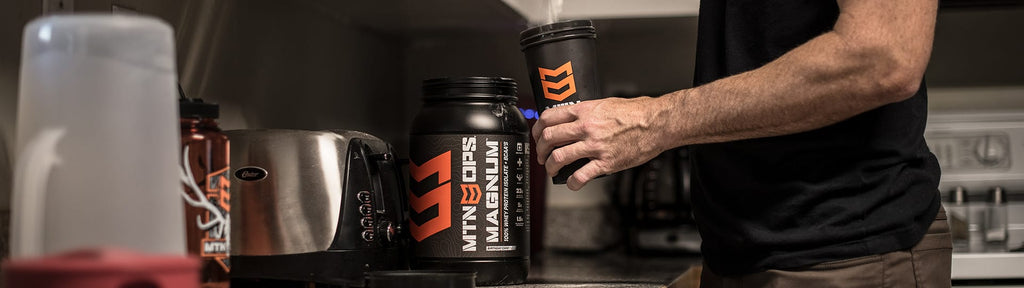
(927, 264)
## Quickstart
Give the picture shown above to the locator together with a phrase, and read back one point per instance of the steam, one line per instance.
(554, 9)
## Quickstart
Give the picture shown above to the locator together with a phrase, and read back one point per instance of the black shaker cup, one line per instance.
(562, 61)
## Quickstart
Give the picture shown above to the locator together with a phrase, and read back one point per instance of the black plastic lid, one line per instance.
(556, 32)
(196, 108)
(470, 88)
(420, 278)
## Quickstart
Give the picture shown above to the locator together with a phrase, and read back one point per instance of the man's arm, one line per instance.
(876, 54)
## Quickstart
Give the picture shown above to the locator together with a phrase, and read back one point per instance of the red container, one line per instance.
(103, 268)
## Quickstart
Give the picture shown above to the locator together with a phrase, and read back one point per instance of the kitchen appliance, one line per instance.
(979, 153)
(96, 141)
(314, 206)
(581, 221)
(655, 201)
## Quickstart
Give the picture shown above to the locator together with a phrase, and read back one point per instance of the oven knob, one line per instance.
(366, 222)
(368, 235)
(366, 209)
(991, 150)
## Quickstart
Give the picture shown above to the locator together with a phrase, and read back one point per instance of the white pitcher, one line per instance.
(97, 137)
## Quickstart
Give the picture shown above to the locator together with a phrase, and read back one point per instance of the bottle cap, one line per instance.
(195, 107)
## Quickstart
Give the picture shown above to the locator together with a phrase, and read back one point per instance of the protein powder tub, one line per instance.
(469, 174)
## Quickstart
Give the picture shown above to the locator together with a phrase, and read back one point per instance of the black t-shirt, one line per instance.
(863, 186)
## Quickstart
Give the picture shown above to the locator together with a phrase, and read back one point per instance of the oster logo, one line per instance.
(430, 196)
(559, 83)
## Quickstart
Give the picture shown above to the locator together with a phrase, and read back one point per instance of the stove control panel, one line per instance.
(971, 153)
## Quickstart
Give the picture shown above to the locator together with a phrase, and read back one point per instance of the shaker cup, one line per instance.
(562, 61)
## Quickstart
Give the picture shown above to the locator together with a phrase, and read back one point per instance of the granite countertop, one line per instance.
(611, 269)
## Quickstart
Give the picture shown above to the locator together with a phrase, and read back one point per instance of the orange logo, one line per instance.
(437, 195)
(215, 244)
(559, 83)
(470, 194)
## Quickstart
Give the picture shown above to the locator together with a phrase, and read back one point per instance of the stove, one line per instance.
(979, 153)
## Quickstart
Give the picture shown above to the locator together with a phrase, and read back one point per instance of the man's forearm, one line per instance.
(850, 70)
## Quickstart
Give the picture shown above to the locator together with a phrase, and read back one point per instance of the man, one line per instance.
(806, 129)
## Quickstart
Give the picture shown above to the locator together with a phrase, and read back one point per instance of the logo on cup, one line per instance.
(558, 83)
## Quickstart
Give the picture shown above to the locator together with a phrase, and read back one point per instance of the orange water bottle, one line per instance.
(205, 178)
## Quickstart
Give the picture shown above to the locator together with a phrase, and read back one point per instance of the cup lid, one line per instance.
(137, 40)
(557, 31)
(478, 88)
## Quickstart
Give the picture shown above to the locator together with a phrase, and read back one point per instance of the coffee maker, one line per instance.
(318, 207)
(654, 199)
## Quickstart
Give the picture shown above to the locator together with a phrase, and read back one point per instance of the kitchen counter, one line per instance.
(582, 270)
(612, 269)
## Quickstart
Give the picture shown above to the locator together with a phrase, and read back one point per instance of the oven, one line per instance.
(981, 154)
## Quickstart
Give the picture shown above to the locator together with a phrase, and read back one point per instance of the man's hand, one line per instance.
(614, 133)
(876, 55)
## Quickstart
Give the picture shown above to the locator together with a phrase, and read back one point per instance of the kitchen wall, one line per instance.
(463, 53)
(977, 62)
(646, 56)
(13, 16)
(978, 47)
(291, 65)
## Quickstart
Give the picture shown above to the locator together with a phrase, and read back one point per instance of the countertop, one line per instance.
(582, 270)
(610, 269)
